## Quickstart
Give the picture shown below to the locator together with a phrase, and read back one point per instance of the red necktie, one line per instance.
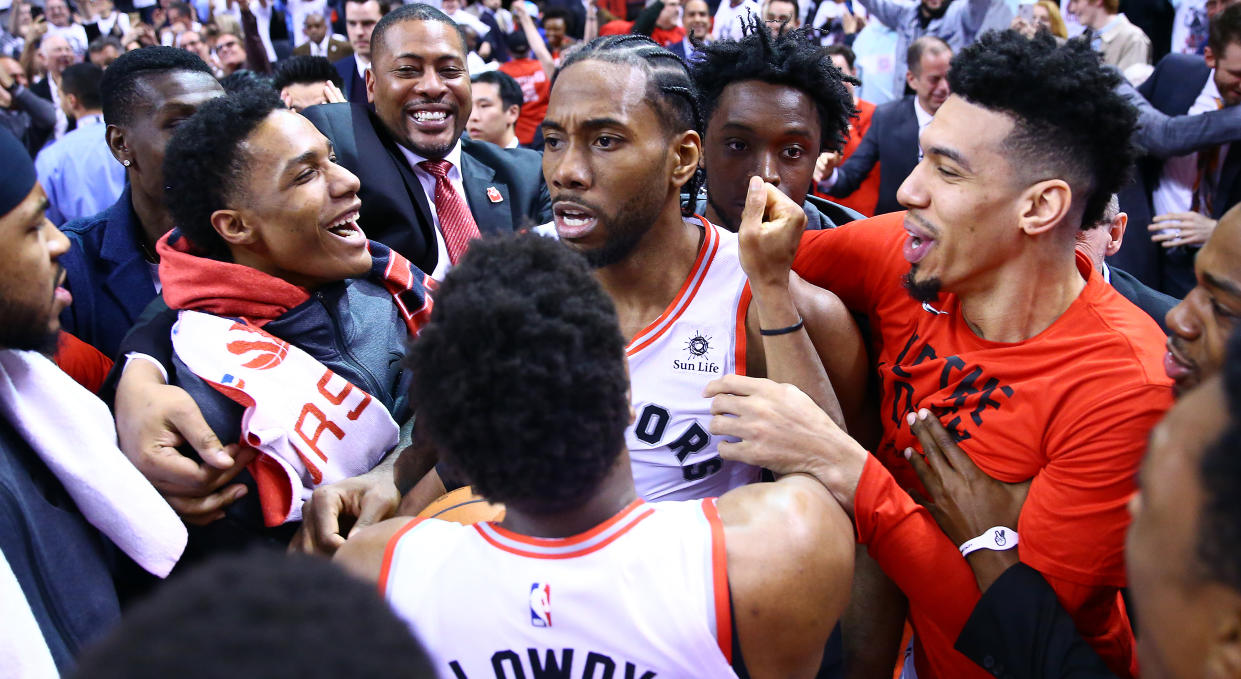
(456, 222)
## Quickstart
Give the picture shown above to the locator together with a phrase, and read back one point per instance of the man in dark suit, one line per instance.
(416, 122)
(360, 19)
(319, 43)
(1196, 189)
(892, 140)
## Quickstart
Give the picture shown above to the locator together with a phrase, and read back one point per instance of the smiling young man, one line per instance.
(1037, 367)
(290, 323)
(621, 145)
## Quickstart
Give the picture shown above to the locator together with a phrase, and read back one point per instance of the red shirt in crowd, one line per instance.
(84, 363)
(866, 196)
(1070, 407)
(663, 36)
(535, 89)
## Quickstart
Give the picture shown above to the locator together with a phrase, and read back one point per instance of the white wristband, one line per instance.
(996, 538)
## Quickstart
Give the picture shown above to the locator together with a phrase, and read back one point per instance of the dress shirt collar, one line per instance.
(453, 156)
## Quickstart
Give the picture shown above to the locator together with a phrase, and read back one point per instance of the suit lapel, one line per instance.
(481, 191)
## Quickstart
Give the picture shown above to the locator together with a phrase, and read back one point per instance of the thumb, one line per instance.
(755, 203)
(373, 511)
(194, 429)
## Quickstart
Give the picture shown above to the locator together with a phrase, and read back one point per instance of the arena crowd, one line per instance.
(858, 339)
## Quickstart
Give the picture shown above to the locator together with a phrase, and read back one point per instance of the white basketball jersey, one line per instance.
(643, 595)
(699, 337)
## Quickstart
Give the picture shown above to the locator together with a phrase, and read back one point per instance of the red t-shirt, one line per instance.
(866, 196)
(1070, 407)
(535, 89)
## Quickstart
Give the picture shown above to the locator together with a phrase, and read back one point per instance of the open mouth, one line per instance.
(430, 119)
(918, 242)
(346, 226)
(1176, 367)
(573, 220)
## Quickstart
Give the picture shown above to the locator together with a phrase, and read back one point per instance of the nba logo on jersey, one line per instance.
(541, 604)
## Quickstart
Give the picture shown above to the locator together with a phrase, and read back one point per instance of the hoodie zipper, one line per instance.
(372, 383)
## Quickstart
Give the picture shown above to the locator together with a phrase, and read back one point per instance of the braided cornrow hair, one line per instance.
(670, 89)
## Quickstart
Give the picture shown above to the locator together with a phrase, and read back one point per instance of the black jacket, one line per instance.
(62, 563)
(395, 210)
(1019, 630)
(352, 327)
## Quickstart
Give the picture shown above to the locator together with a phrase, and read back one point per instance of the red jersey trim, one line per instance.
(743, 307)
(719, 579)
(706, 254)
(509, 542)
(389, 551)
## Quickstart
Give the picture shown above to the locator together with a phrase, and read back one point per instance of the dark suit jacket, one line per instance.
(43, 89)
(1176, 82)
(107, 274)
(337, 48)
(395, 210)
(1018, 630)
(355, 85)
(892, 142)
(1154, 303)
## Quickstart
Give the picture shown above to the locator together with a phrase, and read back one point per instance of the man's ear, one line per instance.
(1116, 233)
(370, 82)
(1044, 205)
(688, 149)
(233, 228)
(118, 146)
(1209, 56)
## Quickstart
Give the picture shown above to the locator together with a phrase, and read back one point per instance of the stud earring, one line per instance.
(125, 163)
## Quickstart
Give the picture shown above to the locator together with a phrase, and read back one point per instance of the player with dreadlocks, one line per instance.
(622, 144)
(771, 105)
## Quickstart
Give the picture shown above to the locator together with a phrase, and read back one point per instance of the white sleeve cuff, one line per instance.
(150, 359)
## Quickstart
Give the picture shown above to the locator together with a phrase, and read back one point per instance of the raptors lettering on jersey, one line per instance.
(698, 338)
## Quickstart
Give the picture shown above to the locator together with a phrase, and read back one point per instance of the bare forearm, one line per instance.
(791, 357)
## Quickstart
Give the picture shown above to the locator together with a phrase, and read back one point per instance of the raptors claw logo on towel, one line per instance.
(271, 351)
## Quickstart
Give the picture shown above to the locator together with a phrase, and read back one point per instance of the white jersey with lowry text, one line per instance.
(699, 337)
(643, 595)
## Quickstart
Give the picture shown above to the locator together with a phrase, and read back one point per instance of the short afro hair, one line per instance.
(119, 87)
(1068, 121)
(794, 59)
(305, 70)
(669, 87)
(414, 12)
(520, 376)
(205, 166)
(258, 615)
(1219, 524)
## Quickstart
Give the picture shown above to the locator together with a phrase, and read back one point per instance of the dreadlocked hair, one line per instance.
(669, 88)
(794, 59)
